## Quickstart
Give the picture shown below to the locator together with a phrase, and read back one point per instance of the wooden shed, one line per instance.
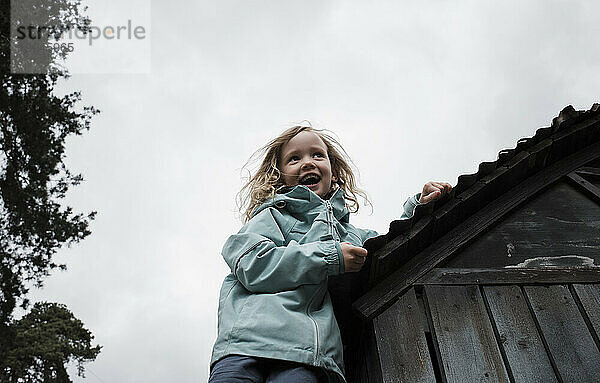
(497, 282)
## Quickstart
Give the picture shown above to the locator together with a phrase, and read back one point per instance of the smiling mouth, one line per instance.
(310, 180)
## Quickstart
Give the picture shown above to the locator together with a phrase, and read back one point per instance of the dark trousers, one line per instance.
(246, 369)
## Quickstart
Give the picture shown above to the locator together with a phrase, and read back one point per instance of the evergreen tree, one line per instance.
(34, 224)
(43, 342)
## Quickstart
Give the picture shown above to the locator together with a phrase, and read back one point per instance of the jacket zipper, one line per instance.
(332, 228)
(316, 327)
(333, 233)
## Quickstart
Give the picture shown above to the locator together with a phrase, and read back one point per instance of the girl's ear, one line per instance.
(334, 178)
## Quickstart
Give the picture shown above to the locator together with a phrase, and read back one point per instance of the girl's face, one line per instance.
(304, 161)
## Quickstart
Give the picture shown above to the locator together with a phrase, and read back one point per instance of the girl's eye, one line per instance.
(293, 158)
(319, 155)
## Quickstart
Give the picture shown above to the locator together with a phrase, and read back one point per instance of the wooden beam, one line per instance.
(589, 171)
(383, 294)
(585, 185)
(509, 276)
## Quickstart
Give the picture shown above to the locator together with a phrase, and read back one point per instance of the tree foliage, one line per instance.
(34, 124)
(34, 224)
(43, 342)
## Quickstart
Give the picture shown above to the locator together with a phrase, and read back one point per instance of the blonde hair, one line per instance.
(268, 180)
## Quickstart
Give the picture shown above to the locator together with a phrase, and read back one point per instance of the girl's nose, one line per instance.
(308, 164)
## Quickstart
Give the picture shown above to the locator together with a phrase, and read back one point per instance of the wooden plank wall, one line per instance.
(464, 335)
(568, 337)
(491, 333)
(401, 343)
(557, 227)
(522, 345)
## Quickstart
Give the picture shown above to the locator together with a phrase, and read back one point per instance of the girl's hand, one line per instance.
(354, 257)
(434, 190)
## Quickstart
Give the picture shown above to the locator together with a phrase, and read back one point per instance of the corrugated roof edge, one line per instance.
(566, 135)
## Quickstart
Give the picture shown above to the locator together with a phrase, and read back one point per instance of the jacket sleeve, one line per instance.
(410, 205)
(263, 264)
(366, 234)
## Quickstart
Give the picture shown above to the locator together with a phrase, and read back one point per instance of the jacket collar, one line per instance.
(300, 199)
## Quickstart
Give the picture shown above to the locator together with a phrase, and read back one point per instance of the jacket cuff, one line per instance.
(333, 258)
(410, 205)
(417, 197)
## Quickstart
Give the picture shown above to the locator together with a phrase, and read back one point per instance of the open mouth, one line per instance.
(310, 180)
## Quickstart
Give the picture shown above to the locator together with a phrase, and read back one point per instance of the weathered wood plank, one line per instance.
(518, 335)
(558, 227)
(589, 295)
(382, 295)
(573, 350)
(590, 188)
(401, 343)
(465, 337)
(461, 276)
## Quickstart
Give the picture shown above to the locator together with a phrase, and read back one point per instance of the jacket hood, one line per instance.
(300, 199)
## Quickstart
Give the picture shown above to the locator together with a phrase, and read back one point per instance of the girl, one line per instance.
(276, 321)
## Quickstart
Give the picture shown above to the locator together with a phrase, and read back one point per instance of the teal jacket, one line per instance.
(275, 302)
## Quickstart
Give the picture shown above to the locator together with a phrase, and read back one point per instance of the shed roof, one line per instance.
(437, 230)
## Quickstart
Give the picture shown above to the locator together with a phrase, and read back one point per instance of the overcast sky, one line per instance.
(414, 92)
